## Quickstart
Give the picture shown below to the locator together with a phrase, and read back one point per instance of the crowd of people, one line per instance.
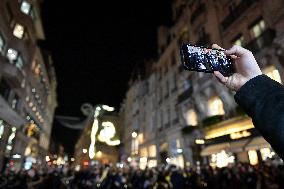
(241, 176)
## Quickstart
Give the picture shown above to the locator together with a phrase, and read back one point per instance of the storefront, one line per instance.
(235, 141)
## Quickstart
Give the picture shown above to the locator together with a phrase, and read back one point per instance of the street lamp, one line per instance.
(97, 111)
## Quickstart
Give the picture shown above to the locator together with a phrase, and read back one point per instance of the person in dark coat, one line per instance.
(261, 97)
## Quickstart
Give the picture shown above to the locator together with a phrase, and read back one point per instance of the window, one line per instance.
(15, 58)
(2, 128)
(15, 102)
(152, 151)
(26, 7)
(253, 159)
(2, 43)
(4, 89)
(215, 106)
(191, 117)
(19, 63)
(12, 55)
(273, 73)
(257, 29)
(239, 41)
(19, 31)
(144, 152)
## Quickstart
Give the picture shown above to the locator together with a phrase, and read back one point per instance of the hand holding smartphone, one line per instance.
(207, 60)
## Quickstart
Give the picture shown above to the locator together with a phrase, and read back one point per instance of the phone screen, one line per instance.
(203, 59)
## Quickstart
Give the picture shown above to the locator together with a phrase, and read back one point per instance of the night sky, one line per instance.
(95, 47)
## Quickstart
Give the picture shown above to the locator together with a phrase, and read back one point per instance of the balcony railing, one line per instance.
(185, 95)
(198, 11)
(236, 13)
(265, 39)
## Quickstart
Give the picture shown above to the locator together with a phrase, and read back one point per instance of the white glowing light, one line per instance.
(179, 150)
(19, 31)
(47, 158)
(199, 141)
(16, 156)
(94, 131)
(12, 55)
(25, 7)
(113, 142)
(105, 134)
(134, 135)
(99, 154)
(108, 108)
(129, 159)
(168, 160)
(85, 150)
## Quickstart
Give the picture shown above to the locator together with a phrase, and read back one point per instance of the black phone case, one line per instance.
(202, 59)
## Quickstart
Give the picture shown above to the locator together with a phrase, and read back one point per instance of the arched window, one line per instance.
(215, 106)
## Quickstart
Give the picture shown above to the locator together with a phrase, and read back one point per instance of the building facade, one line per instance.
(186, 118)
(28, 85)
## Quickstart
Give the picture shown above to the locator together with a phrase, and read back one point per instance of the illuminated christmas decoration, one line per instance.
(97, 110)
(107, 133)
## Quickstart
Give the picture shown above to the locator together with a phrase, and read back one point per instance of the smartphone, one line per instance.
(202, 59)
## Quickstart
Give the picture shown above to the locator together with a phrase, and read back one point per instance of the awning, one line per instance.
(257, 143)
(237, 146)
(215, 148)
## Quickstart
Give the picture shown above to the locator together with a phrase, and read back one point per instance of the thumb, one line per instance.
(236, 50)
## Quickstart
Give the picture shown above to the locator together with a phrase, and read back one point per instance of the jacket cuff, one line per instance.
(254, 91)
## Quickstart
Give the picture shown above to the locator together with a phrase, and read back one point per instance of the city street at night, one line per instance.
(161, 94)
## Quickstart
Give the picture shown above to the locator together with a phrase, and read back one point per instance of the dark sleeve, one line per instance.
(263, 100)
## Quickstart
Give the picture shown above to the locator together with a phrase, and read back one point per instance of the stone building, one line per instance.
(185, 118)
(27, 85)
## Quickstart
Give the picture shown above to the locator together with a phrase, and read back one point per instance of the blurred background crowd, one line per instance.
(241, 176)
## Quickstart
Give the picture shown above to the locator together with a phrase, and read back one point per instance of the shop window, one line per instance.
(266, 153)
(143, 163)
(257, 29)
(19, 31)
(152, 163)
(140, 138)
(215, 106)
(191, 117)
(221, 159)
(134, 146)
(253, 159)
(273, 73)
(152, 151)
(143, 152)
